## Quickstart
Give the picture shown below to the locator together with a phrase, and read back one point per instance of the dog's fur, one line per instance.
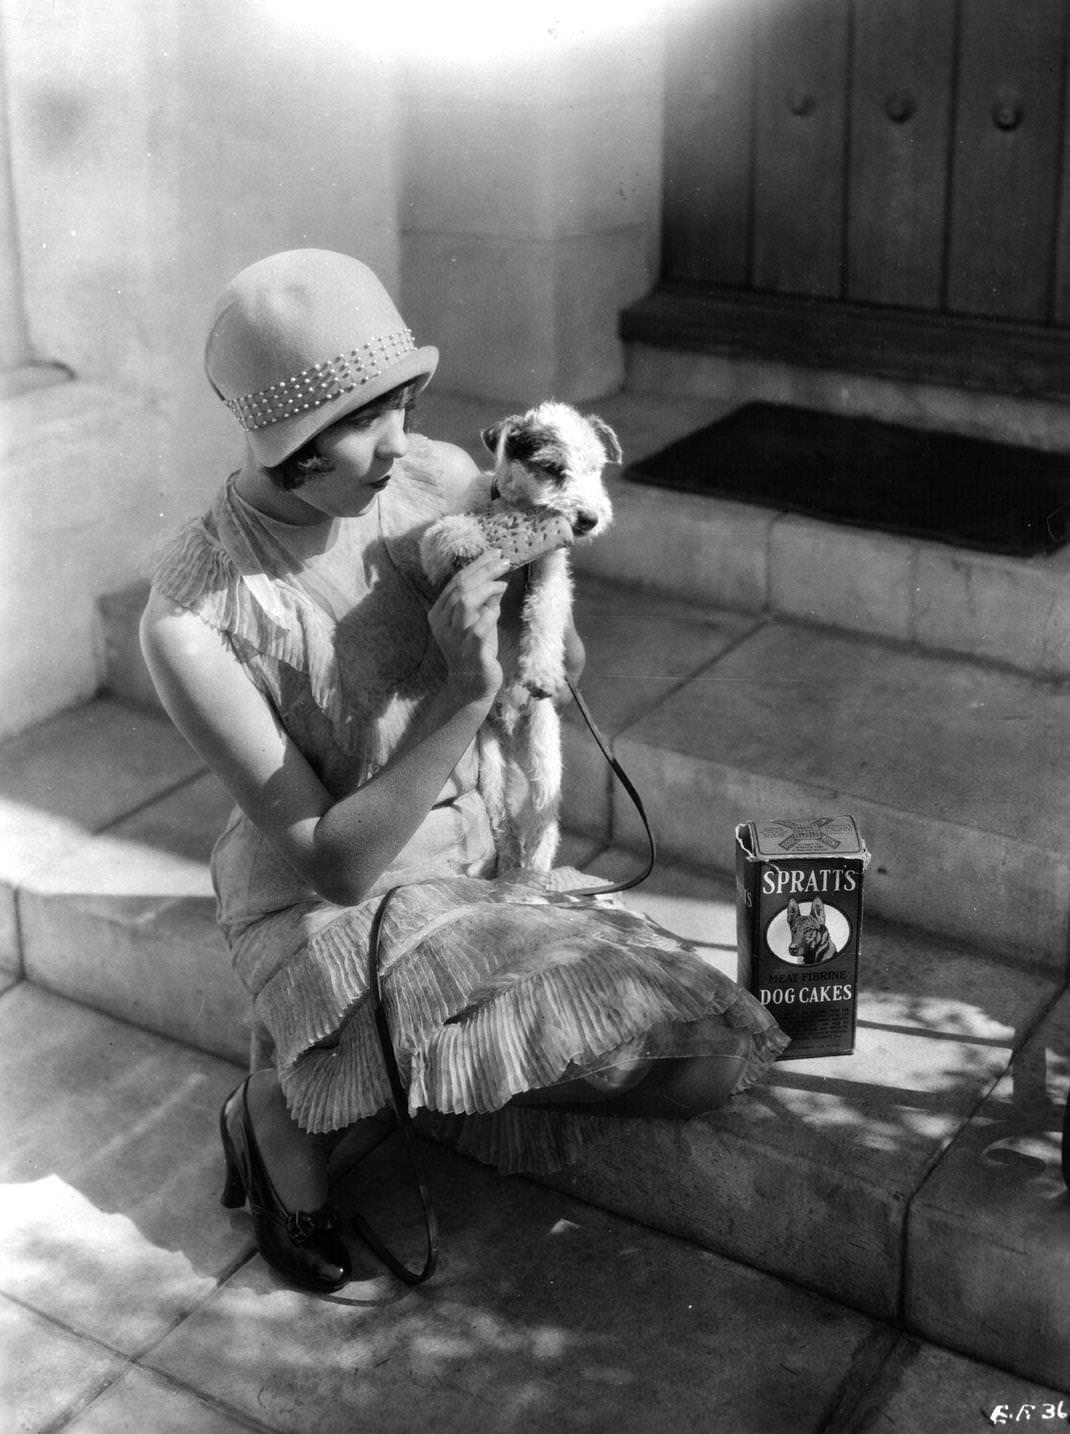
(551, 457)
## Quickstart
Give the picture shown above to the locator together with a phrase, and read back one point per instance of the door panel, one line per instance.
(900, 125)
(1062, 242)
(800, 144)
(1005, 158)
(912, 155)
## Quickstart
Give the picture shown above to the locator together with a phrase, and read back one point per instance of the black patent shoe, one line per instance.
(305, 1247)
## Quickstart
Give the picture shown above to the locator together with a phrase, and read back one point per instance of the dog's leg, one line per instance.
(541, 657)
(497, 779)
(540, 756)
(492, 787)
(450, 543)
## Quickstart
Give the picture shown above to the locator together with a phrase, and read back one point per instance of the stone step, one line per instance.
(125, 673)
(125, 922)
(716, 554)
(917, 1179)
(812, 1176)
(873, 1178)
(720, 554)
(951, 767)
(108, 819)
(62, 782)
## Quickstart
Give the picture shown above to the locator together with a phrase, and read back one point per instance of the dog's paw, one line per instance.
(542, 679)
(450, 543)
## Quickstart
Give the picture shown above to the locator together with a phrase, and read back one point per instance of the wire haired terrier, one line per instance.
(544, 494)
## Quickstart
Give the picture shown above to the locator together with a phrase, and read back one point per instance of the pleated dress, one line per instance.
(494, 983)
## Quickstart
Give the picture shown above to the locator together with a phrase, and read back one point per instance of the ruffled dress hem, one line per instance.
(492, 989)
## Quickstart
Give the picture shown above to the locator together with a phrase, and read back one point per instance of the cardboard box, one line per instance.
(799, 927)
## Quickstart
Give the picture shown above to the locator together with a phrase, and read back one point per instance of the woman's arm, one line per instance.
(341, 846)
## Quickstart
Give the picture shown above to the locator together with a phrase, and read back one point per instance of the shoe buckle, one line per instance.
(302, 1225)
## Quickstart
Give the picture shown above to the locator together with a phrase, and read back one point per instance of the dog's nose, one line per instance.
(584, 522)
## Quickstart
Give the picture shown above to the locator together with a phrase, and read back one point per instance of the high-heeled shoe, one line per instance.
(306, 1247)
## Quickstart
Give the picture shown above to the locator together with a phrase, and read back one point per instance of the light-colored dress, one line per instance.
(493, 983)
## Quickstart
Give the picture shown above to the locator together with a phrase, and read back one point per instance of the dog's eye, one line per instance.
(554, 471)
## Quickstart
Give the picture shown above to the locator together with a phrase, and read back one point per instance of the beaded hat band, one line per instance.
(271, 329)
(314, 386)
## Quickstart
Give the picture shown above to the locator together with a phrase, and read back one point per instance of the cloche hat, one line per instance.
(302, 338)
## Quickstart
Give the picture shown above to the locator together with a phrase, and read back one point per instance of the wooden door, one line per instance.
(799, 148)
(908, 154)
(1005, 158)
(900, 139)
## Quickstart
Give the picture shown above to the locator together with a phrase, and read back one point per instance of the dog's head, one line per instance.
(810, 937)
(553, 457)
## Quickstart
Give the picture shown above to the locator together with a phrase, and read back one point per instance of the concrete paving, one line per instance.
(131, 1301)
(990, 1205)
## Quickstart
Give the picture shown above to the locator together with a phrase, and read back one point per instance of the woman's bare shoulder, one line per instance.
(168, 628)
(190, 661)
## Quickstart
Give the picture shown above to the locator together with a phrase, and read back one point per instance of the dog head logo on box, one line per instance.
(799, 922)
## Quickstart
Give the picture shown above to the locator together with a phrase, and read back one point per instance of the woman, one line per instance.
(295, 643)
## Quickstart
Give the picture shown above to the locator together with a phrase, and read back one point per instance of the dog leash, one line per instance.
(398, 1095)
(637, 801)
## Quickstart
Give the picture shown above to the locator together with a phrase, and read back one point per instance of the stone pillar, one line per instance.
(14, 340)
(531, 212)
(155, 149)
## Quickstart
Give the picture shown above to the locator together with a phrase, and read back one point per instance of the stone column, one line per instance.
(531, 211)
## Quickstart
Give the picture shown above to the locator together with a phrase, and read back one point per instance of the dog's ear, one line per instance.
(610, 441)
(793, 908)
(492, 435)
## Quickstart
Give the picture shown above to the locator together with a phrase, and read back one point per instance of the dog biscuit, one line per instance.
(521, 537)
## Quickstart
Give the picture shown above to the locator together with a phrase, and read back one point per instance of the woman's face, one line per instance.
(360, 451)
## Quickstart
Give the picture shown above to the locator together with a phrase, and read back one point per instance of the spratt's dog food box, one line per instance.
(798, 927)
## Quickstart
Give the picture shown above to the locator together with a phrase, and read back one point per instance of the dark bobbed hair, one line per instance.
(308, 460)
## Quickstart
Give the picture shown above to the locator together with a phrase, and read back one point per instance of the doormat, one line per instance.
(967, 491)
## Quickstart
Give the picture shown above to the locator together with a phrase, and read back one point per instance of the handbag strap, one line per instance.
(400, 1101)
(398, 1095)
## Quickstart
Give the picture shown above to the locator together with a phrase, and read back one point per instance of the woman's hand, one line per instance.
(464, 623)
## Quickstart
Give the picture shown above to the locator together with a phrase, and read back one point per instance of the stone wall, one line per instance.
(532, 205)
(155, 149)
(511, 200)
